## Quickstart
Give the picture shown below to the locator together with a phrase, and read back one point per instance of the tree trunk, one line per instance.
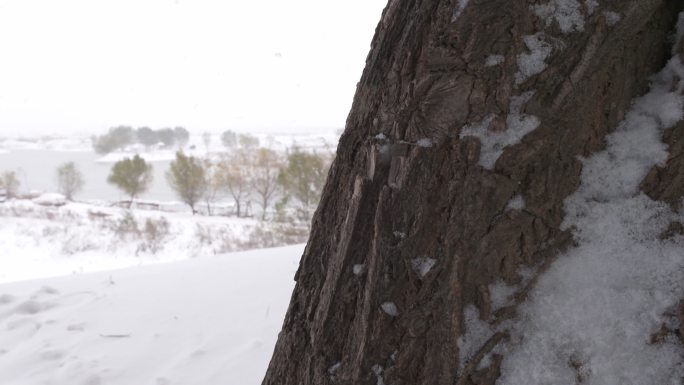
(264, 206)
(461, 147)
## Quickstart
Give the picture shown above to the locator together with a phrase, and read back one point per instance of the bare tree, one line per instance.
(213, 183)
(10, 183)
(235, 177)
(265, 177)
(69, 180)
(206, 139)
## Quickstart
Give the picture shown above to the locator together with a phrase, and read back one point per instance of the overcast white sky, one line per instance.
(78, 66)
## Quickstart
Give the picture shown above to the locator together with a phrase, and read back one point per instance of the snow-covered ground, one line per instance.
(89, 295)
(67, 143)
(211, 320)
(38, 241)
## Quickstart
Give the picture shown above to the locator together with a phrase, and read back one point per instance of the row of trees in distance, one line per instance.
(296, 179)
(69, 181)
(247, 173)
(118, 138)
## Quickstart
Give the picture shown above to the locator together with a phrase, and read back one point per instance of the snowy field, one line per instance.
(89, 295)
(38, 241)
(211, 320)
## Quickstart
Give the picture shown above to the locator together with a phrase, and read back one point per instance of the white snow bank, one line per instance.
(151, 156)
(50, 199)
(593, 313)
(38, 241)
(205, 321)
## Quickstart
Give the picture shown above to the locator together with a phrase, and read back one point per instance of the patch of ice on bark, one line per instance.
(477, 332)
(425, 142)
(390, 309)
(516, 203)
(378, 370)
(494, 60)
(591, 6)
(612, 18)
(567, 13)
(422, 266)
(493, 143)
(534, 61)
(460, 6)
(501, 295)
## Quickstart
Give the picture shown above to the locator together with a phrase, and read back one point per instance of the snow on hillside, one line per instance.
(207, 321)
(73, 143)
(37, 241)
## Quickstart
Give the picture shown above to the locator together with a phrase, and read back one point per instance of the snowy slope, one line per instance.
(205, 321)
(37, 241)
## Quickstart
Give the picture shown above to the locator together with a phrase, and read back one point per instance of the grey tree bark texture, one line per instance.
(406, 191)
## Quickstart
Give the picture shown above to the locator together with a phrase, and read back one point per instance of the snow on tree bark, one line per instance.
(391, 200)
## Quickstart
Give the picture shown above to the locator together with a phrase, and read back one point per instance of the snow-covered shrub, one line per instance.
(75, 242)
(154, 233)
(127, 226)
(215, 240)
(270, 234)
(54, 200)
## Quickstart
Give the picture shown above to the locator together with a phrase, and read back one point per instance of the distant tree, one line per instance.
(248, 141)
(117, 138)
(186, 176)
(147, 136)
(303, 177)
(229, 139)
(213, 182)
(235, 178)
(103, 144)
(10, 183)
(69, 180)
(166, 136)
(131, 175)
(181, 135)
(265, 177)
(206, 139)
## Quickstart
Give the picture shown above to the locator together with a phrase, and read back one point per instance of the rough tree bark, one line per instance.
(412, 228)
